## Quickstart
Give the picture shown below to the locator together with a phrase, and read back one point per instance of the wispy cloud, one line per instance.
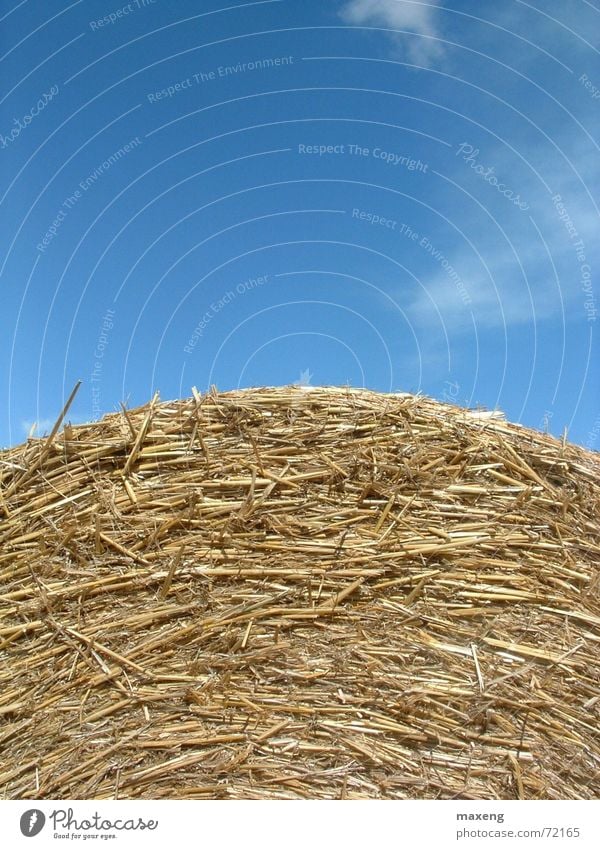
(411, 15)
(505, 295)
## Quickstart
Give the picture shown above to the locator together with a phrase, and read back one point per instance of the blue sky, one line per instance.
(382, 193)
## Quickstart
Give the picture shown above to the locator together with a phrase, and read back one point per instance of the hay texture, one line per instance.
(299, 593)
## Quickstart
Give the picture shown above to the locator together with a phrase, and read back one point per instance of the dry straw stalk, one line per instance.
(293, 593)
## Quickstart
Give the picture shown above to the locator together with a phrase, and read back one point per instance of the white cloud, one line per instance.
(411, 15)
(507, 299)
(540, 276)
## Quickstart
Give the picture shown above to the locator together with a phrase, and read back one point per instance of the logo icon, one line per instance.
(32, 822)
(305, 378)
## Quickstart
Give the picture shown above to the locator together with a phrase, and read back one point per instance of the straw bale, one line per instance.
(299, 593)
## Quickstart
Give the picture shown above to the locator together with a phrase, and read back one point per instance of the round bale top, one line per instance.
(299, 593)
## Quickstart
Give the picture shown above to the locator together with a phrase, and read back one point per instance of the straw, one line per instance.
(294, 592)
